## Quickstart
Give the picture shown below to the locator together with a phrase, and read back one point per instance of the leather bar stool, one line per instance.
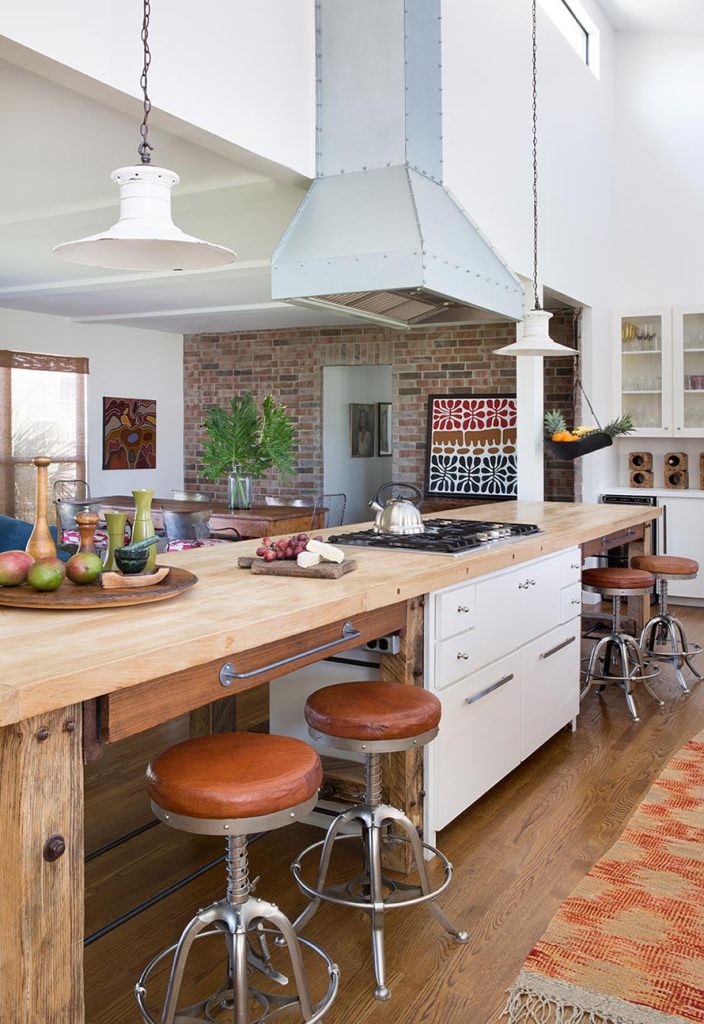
(664, 628)
(618, 583)
(232, 784)
(373, 718)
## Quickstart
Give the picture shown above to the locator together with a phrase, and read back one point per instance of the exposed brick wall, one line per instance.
(289, 365)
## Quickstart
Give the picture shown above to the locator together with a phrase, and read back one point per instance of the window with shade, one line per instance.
(42, 412)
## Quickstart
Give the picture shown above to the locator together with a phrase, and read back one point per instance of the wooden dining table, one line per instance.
(250, 523)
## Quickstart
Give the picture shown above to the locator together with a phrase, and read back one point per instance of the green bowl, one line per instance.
(131, 563)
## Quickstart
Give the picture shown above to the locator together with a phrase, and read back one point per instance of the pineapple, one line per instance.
(554, 422)
(619, 427)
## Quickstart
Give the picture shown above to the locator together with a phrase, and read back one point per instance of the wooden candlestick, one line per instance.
(41, 543)
(86, 523)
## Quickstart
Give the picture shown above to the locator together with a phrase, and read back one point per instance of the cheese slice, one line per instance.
(328, 552)
(307, 559)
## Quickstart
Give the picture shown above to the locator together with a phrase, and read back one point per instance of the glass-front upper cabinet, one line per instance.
(643, 371)
(688, 371)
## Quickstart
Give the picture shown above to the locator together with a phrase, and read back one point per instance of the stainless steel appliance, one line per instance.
(442, 536)
(632, 499)
(397, 515)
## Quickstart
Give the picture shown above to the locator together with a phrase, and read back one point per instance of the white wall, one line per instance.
(123, 363)
(658, 229)
(241, 70)
(358, 478)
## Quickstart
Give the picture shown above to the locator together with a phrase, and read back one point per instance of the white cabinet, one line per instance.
(480, 740)
(659, 370)
(688, 371)
(683, 535)
(507, 680)
(550, 693)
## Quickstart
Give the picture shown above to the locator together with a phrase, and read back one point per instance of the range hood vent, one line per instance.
(378, 236)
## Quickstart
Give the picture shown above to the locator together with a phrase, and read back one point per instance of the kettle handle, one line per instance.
(417, 494)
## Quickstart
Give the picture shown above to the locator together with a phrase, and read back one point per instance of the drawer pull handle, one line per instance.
(462, 656)
(559, 647)
(228, 673)
(575, 565)
(531, 583)
(523, 586)
(489, 689)
(462, 608)
(576, 600)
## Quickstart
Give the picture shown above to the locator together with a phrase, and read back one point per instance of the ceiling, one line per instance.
(61, 147)
(667, 17)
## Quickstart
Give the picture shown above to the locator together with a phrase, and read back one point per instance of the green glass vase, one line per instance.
(143, 526)
(116, 538)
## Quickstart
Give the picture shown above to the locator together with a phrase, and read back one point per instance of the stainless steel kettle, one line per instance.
(397, 515)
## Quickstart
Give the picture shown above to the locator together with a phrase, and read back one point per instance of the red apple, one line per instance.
(14, 566)
(85, 567)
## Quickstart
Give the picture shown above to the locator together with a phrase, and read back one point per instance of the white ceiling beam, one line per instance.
(175, 313)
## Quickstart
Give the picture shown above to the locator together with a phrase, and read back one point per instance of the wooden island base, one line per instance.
(121, 672)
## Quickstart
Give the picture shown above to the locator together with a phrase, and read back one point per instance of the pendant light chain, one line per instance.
(144, 147)
(536, 297)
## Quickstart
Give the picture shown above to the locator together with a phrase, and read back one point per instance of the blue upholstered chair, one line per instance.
(14, 534)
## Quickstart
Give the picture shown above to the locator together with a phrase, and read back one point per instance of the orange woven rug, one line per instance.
(628, 946)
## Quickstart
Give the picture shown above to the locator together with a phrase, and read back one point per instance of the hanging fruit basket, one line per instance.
(568, 445)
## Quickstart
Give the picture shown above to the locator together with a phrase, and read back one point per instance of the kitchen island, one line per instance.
(75, 679)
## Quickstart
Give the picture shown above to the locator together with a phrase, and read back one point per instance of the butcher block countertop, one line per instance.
(52, 659)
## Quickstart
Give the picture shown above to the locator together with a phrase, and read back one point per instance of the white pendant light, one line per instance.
(536, 340)
(145, 237)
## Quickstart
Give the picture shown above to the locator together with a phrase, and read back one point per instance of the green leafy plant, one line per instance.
(246, 441)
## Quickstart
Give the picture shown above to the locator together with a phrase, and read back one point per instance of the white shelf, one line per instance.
(658, 392)
(651, 351)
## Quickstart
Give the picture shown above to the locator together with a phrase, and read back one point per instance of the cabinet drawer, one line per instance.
(550, 685)
(570, 567)
(480, 737)
(541, 598)
(571, 598)
(455, 658)
(454, 611)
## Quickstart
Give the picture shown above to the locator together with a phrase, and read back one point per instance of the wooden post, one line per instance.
(639, 607)
(403, 772)
(41, 899)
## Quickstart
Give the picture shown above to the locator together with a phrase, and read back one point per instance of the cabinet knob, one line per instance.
(576, 600)
(575, 565)
(522, 586)
(462, 608)
(530, 583)
(462, 656)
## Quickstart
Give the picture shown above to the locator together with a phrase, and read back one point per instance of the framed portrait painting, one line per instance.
(129, 433)
(362, 430)
(471, 446)
(384, 432)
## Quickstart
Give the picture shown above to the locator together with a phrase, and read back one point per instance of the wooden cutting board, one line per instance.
(323, 571)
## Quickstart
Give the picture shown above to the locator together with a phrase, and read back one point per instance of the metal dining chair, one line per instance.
(186, 530)
(334, 505)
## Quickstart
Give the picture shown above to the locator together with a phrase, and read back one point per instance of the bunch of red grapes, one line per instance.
(271, 550)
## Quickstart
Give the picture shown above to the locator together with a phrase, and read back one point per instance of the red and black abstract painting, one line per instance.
(471, 446)
(129, 433)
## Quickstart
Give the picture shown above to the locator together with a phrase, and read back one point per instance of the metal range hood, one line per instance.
(378, 236)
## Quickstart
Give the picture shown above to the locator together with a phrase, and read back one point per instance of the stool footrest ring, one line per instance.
(334, 893)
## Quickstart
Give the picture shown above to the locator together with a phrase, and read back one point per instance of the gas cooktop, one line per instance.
(442, 536)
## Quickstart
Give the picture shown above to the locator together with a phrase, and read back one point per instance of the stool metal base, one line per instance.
(241, 926)
(664, 628)
(372, 891)
(634, 669)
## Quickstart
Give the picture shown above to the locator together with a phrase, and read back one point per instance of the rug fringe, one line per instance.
(527, 1007)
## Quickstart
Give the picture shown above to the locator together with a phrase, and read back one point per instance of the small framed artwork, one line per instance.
(384, 434)
(129, 433)
(471, 446)
(362, 429)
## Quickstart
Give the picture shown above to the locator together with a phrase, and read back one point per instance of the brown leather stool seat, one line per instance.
(373, 711)
(234, 775)
(617, 579)
(666, 565)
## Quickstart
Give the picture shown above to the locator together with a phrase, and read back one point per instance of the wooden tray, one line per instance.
(70, 597)
(322, 571)
(120, 581)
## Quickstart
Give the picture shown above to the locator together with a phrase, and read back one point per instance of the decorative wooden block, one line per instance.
(678, 461)
(677, 479)
(641, 478)
(640, 461)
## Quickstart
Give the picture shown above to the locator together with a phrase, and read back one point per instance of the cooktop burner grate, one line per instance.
(441, 536)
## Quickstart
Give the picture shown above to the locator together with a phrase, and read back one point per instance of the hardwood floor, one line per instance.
(517, 853)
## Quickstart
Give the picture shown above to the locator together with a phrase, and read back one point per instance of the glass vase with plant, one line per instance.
(245, 442)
